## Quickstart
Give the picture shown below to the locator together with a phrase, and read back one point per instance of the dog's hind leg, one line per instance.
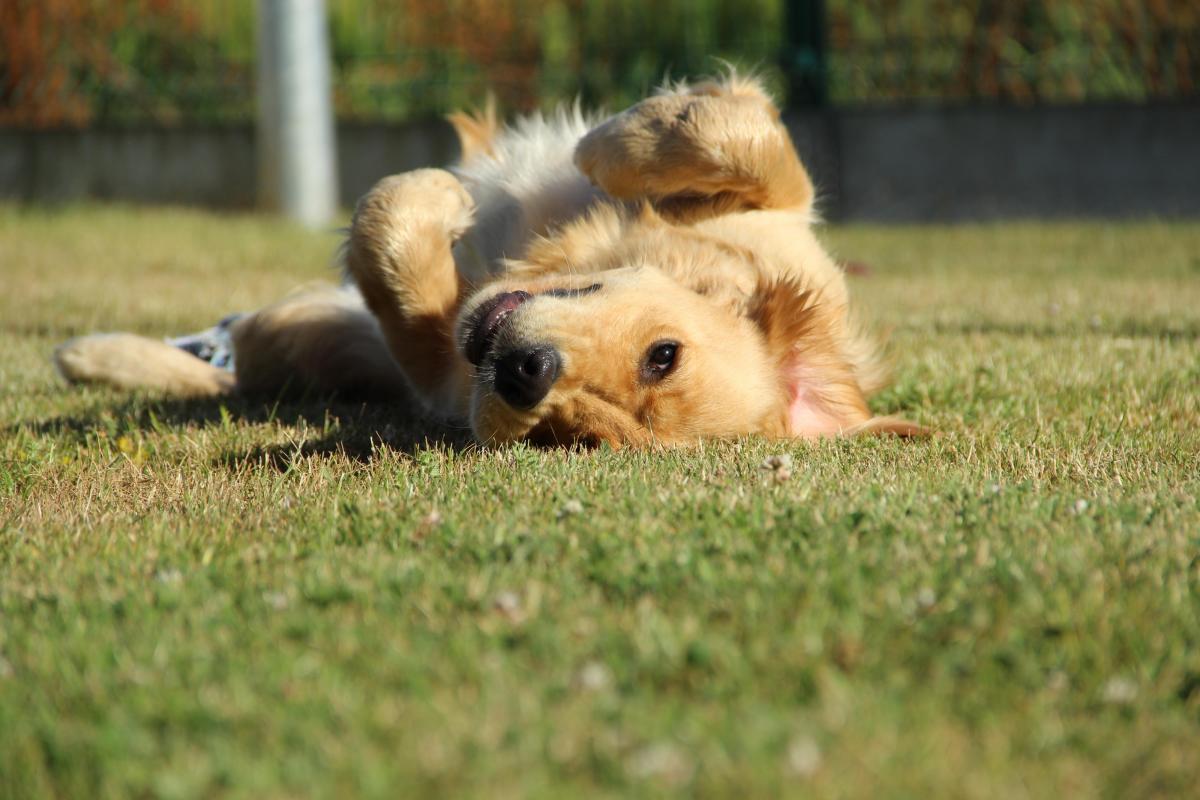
(128, 361)
(699, 151)
(399, 254)
(322, 341)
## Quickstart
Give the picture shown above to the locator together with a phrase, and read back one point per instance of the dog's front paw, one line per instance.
(399, 250)
(680, 144)
(420, 199)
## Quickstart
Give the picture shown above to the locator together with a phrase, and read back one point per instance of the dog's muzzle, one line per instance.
(524, 376)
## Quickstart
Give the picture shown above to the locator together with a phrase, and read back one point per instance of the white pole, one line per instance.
(297, 152)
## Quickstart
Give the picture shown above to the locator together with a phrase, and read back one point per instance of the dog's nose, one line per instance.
(524, 377)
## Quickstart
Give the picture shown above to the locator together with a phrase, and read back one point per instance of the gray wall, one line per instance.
(869, 164)
(998, 163)
(212, 167)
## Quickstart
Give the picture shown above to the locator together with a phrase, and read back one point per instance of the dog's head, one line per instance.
(654, 335)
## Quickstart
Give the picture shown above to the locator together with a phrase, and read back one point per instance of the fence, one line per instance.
(80, 63)
(902, 109)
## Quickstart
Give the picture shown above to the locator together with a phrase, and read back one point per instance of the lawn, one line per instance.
(309, 598)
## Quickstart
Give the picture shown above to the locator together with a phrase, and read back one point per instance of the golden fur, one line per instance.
(665, 287)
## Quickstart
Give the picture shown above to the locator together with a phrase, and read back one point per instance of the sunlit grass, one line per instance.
(200, 599)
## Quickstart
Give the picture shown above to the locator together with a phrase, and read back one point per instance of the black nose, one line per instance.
(524, 377)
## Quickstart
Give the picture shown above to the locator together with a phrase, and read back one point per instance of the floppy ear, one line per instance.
(820, 390)
(476, 130)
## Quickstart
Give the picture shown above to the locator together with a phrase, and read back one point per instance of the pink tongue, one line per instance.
(487, 328)
(507, 303)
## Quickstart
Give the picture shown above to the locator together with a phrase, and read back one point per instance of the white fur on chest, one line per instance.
(528, 187)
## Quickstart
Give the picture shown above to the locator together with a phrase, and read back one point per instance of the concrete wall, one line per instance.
(997, 163)
(212, 167)
(869, 164)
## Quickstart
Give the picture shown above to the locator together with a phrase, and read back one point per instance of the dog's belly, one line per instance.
(526, 189)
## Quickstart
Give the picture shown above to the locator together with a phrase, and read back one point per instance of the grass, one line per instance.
(302, 598)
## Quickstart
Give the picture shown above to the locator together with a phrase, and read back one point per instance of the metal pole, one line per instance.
(297, 149)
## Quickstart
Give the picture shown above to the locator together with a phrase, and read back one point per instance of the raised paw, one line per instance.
(399, 247)
(399, 255)
(711, 140)
(423, 198)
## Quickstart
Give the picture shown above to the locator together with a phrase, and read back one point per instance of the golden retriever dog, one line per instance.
(652, 277)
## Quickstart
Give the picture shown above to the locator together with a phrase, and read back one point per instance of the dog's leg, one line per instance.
(399, 254)
(136, 362)
(718, 146)
(321, 340)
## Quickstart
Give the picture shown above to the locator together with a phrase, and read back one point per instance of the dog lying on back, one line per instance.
(650, 278)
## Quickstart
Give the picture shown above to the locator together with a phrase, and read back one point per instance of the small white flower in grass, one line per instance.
(168, 576)
(1119, 691)
(508, 604)
(803, 756)
(1081, 506)
(594, 677)
(926, 597)
(780, 466)
(427, 524)
(570, 508)
(663, 760)
(777, 462)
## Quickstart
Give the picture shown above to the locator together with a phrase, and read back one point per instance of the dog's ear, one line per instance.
(476, 130)
(820, 390)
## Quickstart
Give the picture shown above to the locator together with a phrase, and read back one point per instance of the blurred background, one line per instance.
(904, 109)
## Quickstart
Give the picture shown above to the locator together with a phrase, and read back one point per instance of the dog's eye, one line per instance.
(660, 359)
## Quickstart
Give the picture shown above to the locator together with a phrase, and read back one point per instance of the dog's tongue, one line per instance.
(491, 317)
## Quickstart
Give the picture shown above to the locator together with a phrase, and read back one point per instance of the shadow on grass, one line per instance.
(356, 428)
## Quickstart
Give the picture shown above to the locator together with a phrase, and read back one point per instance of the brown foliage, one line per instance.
(51, 49)
(497, 35)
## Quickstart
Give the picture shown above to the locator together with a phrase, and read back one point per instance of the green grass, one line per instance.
(297, 599)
